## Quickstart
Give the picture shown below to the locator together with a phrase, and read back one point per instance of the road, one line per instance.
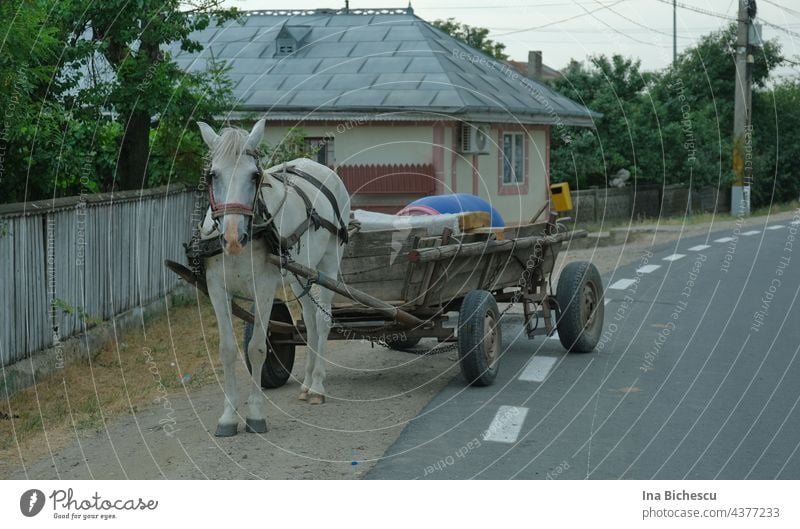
(697, 376)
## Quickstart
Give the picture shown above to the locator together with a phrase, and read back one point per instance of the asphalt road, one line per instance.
(697, 376)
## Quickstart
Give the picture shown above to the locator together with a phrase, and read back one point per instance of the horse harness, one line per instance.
(199, 246)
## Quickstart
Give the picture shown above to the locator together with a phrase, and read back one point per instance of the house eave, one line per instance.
(404, 114)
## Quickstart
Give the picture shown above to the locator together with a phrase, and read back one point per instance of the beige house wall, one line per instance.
(368, 144)
(413, 143)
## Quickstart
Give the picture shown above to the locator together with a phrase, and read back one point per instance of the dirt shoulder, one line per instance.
(373, 394)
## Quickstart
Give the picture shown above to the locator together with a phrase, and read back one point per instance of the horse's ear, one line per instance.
(209, 136)
(256, 135)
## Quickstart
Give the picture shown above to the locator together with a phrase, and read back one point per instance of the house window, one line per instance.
(513, 158)
(320, 150)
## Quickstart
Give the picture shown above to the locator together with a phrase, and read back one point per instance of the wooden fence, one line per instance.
(596, 205)
(70, 262)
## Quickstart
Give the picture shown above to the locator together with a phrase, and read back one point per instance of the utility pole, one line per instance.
(742, 129)
(674, 31)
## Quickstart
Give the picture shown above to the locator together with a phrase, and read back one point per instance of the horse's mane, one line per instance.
(231, 142)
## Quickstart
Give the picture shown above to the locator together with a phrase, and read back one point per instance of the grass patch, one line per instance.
(121, 377)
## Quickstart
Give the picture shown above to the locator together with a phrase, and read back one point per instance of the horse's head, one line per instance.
(235, 176)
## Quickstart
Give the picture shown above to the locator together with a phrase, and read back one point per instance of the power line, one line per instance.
(618, 32)
(509, 6)
(726, 17)
(792, 11)
(648, 28)
(601, 30)
(699, 10)
(776, 26)
(560, 21)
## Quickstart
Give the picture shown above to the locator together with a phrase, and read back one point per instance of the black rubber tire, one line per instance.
(403, 345)
(580, 299)
(280, 360)
(479, 310)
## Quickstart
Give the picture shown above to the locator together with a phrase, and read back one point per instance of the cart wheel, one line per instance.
(479, 339)
(280, 359)
(580, 299)
(403, 345)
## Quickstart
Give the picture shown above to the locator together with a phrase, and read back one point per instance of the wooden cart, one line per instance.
(399, 286)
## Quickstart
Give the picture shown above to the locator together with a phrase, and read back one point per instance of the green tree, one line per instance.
(776, 144)
(691, 109)
(475, 37)
(611, 86)
(120, 64)
(669, 127)
(28, 62)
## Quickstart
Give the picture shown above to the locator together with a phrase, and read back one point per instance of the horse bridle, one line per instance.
(235, 208)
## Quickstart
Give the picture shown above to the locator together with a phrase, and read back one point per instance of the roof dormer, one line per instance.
(290, 39)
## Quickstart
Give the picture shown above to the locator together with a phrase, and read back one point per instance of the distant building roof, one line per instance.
(548, 73)
(322, 63)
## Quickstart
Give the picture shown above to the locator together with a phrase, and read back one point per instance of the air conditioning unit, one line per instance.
(474, 139)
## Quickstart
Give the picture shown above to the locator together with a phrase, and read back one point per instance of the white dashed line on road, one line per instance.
(795, 222)
(674, 257)
(506, 424)
(554, 336)
(699, 248)
(724, 239)
(538, 368)
(751, 232)
(622, 284)
(646, 269)
(775, 227)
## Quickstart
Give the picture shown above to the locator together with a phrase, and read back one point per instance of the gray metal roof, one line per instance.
(371, 62)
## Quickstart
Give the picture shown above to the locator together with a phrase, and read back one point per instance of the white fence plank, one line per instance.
(100, 258)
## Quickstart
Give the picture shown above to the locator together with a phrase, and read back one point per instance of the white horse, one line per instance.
(237, 187)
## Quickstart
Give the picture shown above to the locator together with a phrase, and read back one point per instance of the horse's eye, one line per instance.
(256, 176)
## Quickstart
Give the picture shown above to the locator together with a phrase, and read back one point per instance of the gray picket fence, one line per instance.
(70, 262)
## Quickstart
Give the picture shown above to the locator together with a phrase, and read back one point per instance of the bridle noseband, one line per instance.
(235, 208)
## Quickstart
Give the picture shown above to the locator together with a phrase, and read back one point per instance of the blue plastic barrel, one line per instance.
(454, 203)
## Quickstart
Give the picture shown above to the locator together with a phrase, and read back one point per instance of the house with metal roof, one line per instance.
(397, 107)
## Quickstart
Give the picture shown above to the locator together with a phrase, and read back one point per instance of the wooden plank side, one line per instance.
(419, 275)
(96, 258)
(38, 306)
(142, 254)
(8, 348)
(126, 229)
(373, 268)
(21, 281)
(69, 261)
(369, 243)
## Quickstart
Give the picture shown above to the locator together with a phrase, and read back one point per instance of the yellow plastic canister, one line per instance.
(560, 196)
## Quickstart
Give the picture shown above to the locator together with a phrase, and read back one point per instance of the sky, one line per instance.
(575, 29)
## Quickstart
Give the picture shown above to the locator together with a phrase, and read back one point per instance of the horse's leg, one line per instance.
(228, 422)
(256, 421)
(316, 390)
(310, 320)
(329, 265)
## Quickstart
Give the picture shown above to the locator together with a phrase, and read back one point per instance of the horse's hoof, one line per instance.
(303, 395)
(226, 430)
(316, 398)
(255, 426)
